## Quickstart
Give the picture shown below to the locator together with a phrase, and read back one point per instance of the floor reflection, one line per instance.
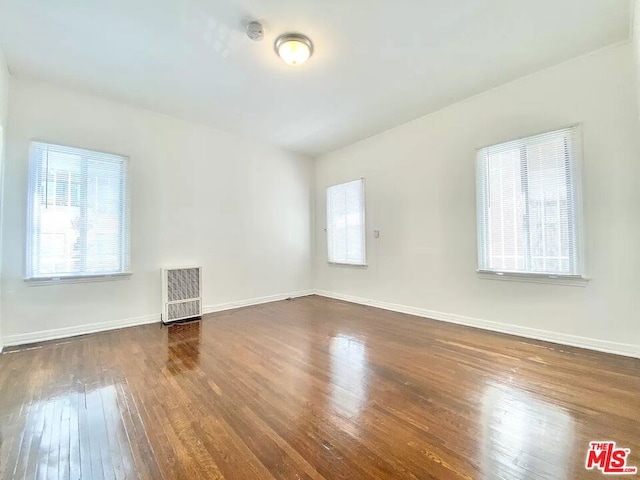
(522, 434)
(348, 375)
(183, 346)
(65, 435)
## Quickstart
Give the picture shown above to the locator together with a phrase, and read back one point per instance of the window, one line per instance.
(345, 223)
(78, 213)
(529, 205)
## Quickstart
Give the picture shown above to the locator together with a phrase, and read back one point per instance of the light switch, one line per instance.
(376, 234)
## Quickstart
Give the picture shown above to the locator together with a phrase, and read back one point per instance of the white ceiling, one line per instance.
(377, 63)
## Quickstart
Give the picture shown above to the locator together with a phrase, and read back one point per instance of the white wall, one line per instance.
(239, 208)
(4, 99)
(247, 206)
(4, 89)
(420, 182)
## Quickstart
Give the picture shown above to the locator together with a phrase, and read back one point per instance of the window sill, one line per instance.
(356, 265)
(568, 280)
(53, 280)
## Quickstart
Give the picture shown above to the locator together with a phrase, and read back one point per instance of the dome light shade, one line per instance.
(293, 48)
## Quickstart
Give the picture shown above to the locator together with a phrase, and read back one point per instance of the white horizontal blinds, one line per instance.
(346, 223)
(527, 211)
(78, 212)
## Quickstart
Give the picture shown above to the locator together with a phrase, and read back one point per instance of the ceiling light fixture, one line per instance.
(293, 48)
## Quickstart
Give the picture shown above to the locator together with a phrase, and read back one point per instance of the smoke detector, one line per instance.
(255, 31)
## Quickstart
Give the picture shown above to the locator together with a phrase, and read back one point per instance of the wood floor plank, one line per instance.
(311, 389)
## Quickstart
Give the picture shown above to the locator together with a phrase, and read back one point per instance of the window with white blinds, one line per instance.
(78, 213)
(529, 205)
(345, 223)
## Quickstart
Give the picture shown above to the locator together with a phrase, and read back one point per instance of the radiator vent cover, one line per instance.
(181, 293)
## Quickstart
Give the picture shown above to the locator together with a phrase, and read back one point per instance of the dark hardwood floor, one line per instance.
(311, 388)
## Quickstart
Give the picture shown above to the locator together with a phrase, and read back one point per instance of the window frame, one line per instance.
(124, 220)
(574, 181)
(364, 263)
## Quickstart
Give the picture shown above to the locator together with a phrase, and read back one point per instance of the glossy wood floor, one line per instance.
(311, 388)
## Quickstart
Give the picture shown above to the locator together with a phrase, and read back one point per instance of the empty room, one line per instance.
(339, 239)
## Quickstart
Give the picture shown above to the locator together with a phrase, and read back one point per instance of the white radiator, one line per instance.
(181, 293)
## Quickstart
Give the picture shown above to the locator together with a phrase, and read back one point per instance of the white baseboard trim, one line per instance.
(254, 301)
(58, 333)
(627, 350)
